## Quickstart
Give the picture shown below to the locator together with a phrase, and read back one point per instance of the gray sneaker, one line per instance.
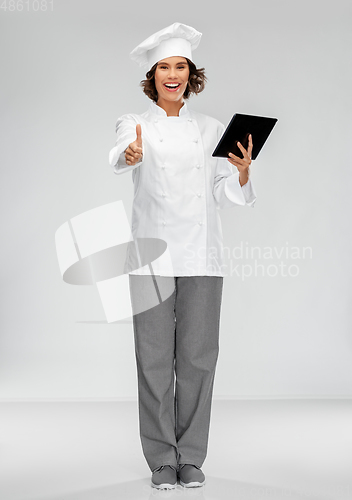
(164, 477)
(190, 476)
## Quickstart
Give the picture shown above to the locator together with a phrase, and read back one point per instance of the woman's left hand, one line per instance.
(242, 164)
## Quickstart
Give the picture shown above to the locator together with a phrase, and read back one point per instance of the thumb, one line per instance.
(139, 135)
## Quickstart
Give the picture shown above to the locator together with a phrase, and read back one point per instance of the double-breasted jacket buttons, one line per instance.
(198, 166)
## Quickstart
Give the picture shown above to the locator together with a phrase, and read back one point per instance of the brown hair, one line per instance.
(196, 82)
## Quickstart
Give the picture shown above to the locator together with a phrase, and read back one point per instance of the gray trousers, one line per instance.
(176, 347)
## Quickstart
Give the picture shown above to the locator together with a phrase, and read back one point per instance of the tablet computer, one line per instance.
(239, 129)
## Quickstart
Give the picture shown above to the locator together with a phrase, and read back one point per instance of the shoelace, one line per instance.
(161, 467)
(182, 465)
(158, 469)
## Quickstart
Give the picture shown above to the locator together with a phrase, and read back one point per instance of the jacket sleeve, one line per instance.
(126, 133)
(227, 189)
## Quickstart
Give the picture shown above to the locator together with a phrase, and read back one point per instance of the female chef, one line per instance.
(178, 189)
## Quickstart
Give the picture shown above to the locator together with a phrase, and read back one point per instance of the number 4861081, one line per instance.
(27, 5)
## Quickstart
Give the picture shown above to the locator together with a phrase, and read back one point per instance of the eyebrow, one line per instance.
(167, 64)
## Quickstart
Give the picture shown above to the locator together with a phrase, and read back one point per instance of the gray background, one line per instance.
(66, 78)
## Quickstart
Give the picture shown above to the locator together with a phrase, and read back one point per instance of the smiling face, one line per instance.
(171, 78)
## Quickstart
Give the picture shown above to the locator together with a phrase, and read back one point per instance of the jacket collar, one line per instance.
(155, 109)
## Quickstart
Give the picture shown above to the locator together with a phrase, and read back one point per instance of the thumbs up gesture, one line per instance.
(134, 152)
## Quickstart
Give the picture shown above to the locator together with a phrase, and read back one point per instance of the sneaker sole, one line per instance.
(164, 486)
(193, 484)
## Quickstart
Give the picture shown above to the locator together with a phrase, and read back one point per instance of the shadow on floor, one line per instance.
(214, 489)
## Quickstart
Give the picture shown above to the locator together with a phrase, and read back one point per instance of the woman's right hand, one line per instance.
(134, 152)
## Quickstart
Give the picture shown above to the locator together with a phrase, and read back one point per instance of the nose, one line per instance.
(172, 73)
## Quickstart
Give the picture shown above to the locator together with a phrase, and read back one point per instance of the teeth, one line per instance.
(172, 85)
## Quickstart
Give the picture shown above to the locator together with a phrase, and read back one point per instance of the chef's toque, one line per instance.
(175, 40)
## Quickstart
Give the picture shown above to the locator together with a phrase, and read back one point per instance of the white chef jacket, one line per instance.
(178, 189)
